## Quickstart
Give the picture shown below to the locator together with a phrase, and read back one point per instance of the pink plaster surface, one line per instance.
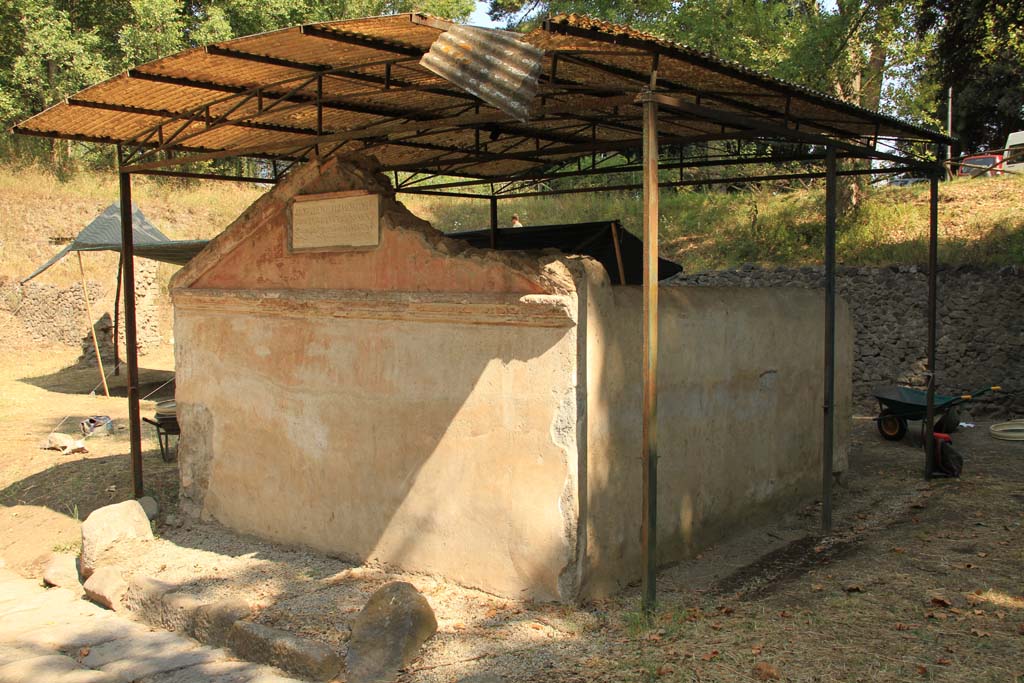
(404, 261)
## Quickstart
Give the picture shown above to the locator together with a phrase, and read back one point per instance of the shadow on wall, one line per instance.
(739, 417)
(429, 445)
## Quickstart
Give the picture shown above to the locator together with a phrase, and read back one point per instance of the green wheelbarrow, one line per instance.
(898, 405)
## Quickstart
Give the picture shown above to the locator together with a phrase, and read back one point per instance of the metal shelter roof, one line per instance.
(103, 233)
(357, 85)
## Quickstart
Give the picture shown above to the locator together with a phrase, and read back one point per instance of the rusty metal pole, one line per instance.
(828, 431)
(131, 344)
(649, 452)
(933, 265)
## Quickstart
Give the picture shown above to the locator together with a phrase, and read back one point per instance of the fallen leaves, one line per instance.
(941, 601)
(900, 626)
(709, 656)
(980, 633)
(763, 671)
(854, 588)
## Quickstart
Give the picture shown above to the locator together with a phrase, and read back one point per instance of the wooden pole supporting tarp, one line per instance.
(92, 326)
(649, 451)
(131, 351)
(828, 429)
(117, 314)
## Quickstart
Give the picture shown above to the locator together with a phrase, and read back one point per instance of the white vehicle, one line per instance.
(1013, 156)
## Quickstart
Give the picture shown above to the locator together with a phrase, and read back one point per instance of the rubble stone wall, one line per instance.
(980, 329)
(50, 314)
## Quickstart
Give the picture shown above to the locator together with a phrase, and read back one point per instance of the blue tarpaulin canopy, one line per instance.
(104, 234)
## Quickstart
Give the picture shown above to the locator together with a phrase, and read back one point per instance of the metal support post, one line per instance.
(131, 342)
(649, 452)
(933, 265)
(494, 222)
(828, 430)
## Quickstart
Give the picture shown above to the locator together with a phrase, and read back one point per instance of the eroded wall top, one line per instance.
(253, 253)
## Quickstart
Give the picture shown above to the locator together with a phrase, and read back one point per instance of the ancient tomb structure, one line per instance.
(353, 381)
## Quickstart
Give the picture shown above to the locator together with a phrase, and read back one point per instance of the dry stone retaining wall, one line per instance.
(980, 329)
(44, 314)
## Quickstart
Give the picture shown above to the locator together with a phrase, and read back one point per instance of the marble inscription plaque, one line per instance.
(335, 221)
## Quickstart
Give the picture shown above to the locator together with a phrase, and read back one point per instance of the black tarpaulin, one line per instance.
(588, 239)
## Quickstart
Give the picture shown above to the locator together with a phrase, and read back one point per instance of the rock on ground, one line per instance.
(106, 587)
(149, 506)
(301, 656)
(62, 571)
(388, 632)
(109, 526)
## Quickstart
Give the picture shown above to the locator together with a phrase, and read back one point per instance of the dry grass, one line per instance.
(43, 392)
(981, 222)
(36, 206)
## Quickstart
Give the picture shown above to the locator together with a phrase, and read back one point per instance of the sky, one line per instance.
(479, 16)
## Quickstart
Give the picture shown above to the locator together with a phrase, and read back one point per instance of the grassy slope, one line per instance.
(981, 221)
(35, 206)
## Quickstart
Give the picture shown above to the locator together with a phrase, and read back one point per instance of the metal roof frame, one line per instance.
(356, 85)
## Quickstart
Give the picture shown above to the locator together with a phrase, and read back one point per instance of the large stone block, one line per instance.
(300, 656)
(110, 526)
(106, 587)
(388, 632)
(62, 572)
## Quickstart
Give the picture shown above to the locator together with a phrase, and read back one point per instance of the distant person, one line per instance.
(515, 221)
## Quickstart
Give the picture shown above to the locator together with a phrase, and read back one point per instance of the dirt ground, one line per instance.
(918, 580)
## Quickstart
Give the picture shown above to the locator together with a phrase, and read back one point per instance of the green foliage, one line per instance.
(980, 52)
(53, 59)
(51, 49)
(157, 28)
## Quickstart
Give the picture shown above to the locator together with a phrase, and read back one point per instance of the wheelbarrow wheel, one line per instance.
(891, 427)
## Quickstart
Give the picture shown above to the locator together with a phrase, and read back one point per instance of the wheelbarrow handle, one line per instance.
(968, 397)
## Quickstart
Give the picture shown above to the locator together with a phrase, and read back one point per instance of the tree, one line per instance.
(49, 60)
(980, 53)
(156, 29)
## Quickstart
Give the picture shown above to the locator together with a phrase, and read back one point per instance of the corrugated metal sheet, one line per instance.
(474, 119)
(496, 66)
